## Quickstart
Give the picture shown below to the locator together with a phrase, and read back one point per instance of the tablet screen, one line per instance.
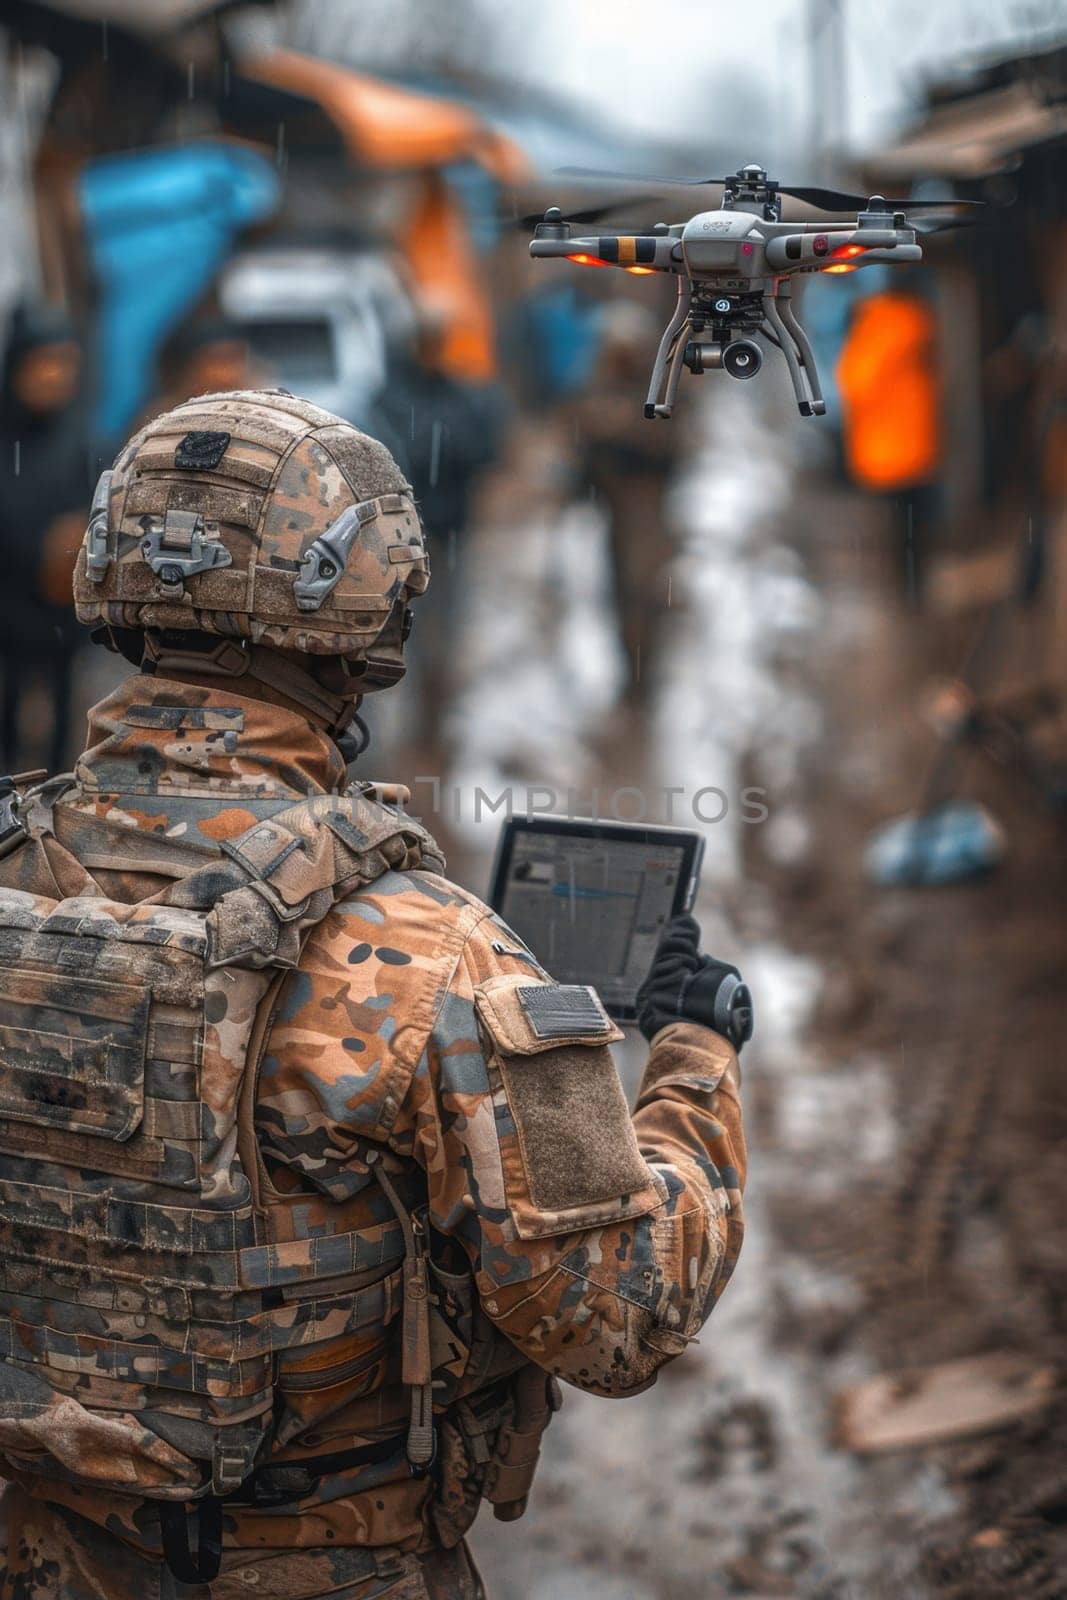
(591, 899)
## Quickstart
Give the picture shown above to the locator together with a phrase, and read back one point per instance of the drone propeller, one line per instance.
(629, 177)
(824, 199)
(926, 225)
(590, 214)
(837, 200)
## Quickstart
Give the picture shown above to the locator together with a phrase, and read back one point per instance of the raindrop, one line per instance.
(190, 80)
(435, 454)
(670, 581)
(637, 663)
(451, 549)
(18, 457)
(103, 38)
(909, 556)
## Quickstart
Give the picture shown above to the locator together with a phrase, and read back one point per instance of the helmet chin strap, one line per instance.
(231, 658)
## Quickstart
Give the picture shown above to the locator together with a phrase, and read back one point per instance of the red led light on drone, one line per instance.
(588, 261)
(845, 254)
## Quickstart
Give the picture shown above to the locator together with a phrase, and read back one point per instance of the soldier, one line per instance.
(305, 1204)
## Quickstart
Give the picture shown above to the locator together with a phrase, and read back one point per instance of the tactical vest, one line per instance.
(144, 1294)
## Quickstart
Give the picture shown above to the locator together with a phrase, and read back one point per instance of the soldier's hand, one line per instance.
(685, 986)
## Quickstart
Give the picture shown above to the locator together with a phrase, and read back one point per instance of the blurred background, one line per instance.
(838, 647)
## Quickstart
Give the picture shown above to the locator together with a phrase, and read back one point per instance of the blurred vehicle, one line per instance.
(321, 317)
(420, 140)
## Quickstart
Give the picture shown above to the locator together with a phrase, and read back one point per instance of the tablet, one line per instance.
(591, 899)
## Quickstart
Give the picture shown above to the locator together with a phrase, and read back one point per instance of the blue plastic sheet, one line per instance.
(159, 224)
(947, 845)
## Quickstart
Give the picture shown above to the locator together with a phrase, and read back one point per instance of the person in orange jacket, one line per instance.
(889, 381)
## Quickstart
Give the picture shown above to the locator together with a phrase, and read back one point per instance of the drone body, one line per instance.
(735, 267)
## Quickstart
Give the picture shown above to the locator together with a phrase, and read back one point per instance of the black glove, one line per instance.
(685, 986)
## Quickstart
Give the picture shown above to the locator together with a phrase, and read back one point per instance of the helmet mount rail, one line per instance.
(97, 554)
(324, 561)
(179, 544)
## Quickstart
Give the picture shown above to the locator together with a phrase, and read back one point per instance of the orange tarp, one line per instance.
(887, 377)
(386, 125)
(449, 283)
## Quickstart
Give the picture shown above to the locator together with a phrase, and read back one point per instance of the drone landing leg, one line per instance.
(803, 344)
(674, 371)
(667, 367)
(793, 360)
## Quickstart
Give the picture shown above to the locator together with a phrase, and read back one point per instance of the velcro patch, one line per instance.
(228, 719)
(201, 450)
(564, 1011)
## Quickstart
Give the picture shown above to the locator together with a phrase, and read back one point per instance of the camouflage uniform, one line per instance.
(403, 1089)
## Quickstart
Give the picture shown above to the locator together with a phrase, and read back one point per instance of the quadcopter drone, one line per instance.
(735, 268)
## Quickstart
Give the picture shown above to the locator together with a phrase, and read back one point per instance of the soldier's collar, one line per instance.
(154, 734)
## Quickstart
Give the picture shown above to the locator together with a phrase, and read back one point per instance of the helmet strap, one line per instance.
(279, 673)
(354, 740)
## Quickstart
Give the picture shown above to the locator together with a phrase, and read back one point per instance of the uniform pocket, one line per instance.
(72, 1052)
(568, 1148)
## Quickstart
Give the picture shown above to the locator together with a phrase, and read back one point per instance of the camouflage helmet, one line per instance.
(258, 517)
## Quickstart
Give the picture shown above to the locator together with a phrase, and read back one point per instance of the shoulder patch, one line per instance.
(528, 1018)
(201, 450)
(564, 1011)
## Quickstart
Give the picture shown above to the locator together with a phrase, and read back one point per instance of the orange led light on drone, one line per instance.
(849, 250)
(640, 272)
(842, 266)
(589, 261)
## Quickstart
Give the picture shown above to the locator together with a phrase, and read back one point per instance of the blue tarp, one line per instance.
(159, 224)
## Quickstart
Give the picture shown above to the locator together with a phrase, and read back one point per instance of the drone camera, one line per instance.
(742, 358)
(702, 355)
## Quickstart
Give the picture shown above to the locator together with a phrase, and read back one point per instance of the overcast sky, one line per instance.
(656, 59)
(679, 67)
